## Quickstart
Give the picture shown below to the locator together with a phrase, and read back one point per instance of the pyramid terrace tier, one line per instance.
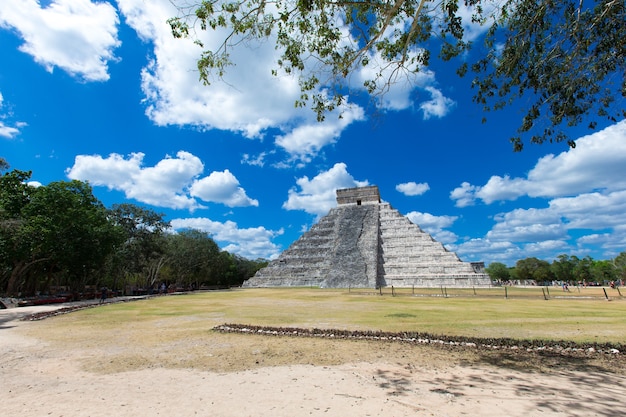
(365, 243)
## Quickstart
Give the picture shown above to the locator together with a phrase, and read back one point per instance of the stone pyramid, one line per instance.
(364, 243)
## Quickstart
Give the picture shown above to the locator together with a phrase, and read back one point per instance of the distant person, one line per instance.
(103, 294)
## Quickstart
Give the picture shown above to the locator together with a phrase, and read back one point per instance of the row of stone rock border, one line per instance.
(64, 310)
(562, 347)
(81, 306)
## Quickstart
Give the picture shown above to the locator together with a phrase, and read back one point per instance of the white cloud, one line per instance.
(473, 30)
(464, 195)
(608, 210)
(585, 200)
(6, 131)
(318, 195)
(612, 243)
(173, 182)
(397, 84)
(430, 222)
(222, 187)
(78, 36)
(545, 232)
(251, 243)
(248, 100)
(115, 171)
(412, 188)
(528, 225)
(258, 160)
(597, 163)
(305, 141)
(483, 249)
(501, 188)
(438, 106)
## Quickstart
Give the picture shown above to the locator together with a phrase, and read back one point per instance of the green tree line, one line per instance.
(564, 269)
(60, 237)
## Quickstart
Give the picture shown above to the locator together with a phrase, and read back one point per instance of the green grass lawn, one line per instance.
(576, 316)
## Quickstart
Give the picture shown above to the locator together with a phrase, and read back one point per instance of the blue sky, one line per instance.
(101, 92)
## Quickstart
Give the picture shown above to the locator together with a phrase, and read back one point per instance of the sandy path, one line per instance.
(38, 380)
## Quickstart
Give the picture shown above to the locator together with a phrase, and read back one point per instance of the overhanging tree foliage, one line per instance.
(565, 58)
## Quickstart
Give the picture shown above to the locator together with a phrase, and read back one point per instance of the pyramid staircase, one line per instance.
(368, 244)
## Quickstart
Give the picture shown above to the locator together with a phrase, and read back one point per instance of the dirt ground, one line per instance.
(47, 370)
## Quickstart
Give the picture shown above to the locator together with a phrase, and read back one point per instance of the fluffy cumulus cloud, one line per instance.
(567, 188)
(564, 226)
(318, 194)
(222, 187)
(81, 36)
(77, 36)
(174, 182)
(305, 141)
(438, 106)
(464, 195)
(597, 163)
(481, 249)
(528, 225)
(251, 243)
(247, 100)
(412, 188)
(430, 222)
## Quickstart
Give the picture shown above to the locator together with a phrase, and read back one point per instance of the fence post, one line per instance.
(544, 293)
(506, 292)
(605, 294)
(393, 294)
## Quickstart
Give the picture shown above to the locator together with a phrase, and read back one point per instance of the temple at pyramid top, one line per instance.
(366, 243)
(358, 196)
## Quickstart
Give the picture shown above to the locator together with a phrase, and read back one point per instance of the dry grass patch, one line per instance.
(175, 331)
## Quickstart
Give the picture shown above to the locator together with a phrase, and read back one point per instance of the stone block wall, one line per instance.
(339, 251)
(358, 196)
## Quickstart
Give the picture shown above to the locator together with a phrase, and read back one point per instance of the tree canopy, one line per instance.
(565, 58)
(563, 269)
(61, 236)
